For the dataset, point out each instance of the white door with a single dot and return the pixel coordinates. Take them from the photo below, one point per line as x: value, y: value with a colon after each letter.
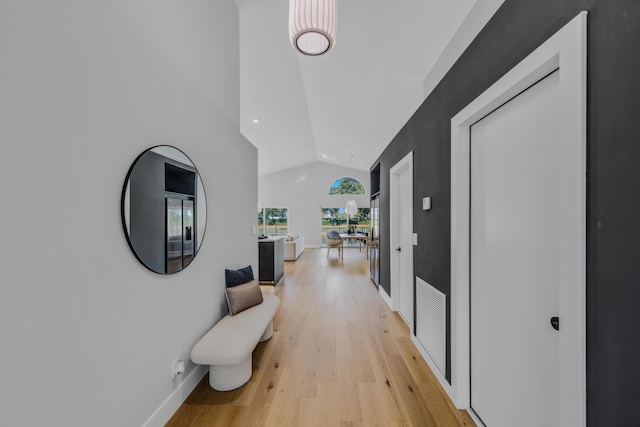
x: 514, y: 286
x: 401, y: 175
x: 405, y: 267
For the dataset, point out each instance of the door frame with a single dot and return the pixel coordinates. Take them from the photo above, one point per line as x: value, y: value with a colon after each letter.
x: 406, y: 164
x: 567, y: 51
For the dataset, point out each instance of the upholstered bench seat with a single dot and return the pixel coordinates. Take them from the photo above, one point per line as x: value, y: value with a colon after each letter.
x: 228, y: 346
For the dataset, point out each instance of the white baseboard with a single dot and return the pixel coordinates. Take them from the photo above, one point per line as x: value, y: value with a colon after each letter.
x: 475, y: 417
x: 434, y: 368
x: 171, y: 404
x: 385, y: 297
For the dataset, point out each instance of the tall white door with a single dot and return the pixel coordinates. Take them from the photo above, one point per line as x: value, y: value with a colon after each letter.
x: 515, y: 187
x: 403, y: 245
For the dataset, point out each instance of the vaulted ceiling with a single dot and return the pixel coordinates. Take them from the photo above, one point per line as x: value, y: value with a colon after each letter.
x: 344, y: 107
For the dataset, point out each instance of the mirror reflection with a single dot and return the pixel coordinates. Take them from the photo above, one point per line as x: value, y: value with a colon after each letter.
x: 164, y: 209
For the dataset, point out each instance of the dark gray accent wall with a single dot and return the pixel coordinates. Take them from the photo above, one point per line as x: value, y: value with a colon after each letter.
x: 147, y: 230
x: 613, y: 198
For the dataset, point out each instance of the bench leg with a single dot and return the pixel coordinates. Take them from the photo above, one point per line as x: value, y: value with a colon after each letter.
x: 229, y: 377
x: 267, y: 332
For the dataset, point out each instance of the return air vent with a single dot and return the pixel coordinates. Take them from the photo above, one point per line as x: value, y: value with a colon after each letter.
x: 431, y: 326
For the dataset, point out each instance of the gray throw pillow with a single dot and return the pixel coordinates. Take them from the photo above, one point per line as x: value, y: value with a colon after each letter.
x: 238, y: 277
x: 242, y: 297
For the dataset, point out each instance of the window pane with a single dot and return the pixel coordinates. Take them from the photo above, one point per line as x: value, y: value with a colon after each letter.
x: 336, y: 219
x: 347, y: 186
x: 276, y: 221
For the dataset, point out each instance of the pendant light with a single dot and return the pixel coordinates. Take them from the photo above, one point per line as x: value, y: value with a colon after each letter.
x: 351, y: 208
x: 312, y: 26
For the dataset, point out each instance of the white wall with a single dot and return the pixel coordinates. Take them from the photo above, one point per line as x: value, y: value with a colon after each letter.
x: 87, y: 333
x: 304, y: 189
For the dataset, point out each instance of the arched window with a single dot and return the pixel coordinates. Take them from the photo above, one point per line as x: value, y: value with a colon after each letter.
x: 346, y: 186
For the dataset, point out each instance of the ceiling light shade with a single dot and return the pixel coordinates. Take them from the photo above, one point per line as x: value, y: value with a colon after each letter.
x: 312, y: 25
x: 351, y: 208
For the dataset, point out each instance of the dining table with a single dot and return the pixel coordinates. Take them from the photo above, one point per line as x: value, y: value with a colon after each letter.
x: 355, y: 236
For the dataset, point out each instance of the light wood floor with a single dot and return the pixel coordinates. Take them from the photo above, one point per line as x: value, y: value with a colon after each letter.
x: 338, y: 357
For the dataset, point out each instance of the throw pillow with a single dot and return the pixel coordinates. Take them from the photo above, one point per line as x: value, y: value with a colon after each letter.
x: 242, y: 297
x: 238, y: 277
x: 333, y: 234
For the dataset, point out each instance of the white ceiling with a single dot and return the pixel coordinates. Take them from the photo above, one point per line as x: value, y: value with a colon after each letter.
x: 359, y: 95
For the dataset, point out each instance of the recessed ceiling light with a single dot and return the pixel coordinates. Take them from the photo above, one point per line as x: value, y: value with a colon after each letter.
x: 256, y: 120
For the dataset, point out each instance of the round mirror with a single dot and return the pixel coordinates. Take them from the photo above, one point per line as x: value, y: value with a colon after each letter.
x: 164, y: 209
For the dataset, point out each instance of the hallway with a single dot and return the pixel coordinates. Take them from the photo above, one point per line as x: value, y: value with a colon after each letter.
x: 338, y: 357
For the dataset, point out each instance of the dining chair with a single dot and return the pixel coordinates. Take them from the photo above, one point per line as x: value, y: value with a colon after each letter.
x: 334, y: 241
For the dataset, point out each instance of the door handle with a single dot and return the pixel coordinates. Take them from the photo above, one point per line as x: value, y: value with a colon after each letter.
x: 399, y: 249
x: 555, y: 323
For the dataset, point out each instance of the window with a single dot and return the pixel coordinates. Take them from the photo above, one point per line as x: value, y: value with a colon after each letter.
x: 346, y: 186
x: 273, y: 221
x: 336, y: 219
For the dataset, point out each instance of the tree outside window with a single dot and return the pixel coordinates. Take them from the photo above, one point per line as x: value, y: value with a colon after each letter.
x: 346, y: 186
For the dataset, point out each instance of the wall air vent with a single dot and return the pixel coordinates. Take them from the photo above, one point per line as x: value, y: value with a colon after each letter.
x: 431, y: 322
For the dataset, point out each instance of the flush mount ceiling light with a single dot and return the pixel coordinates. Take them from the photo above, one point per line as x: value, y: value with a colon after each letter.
x: 312, y: 25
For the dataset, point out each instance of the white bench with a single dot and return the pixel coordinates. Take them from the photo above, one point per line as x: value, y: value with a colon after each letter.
x: 228, y: 346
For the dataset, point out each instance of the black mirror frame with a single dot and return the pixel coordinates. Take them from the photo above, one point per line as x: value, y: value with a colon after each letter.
x: 123, y: 204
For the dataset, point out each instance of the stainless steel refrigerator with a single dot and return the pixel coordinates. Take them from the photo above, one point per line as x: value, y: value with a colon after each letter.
x: 181, y: 236
x: 374, y: 242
